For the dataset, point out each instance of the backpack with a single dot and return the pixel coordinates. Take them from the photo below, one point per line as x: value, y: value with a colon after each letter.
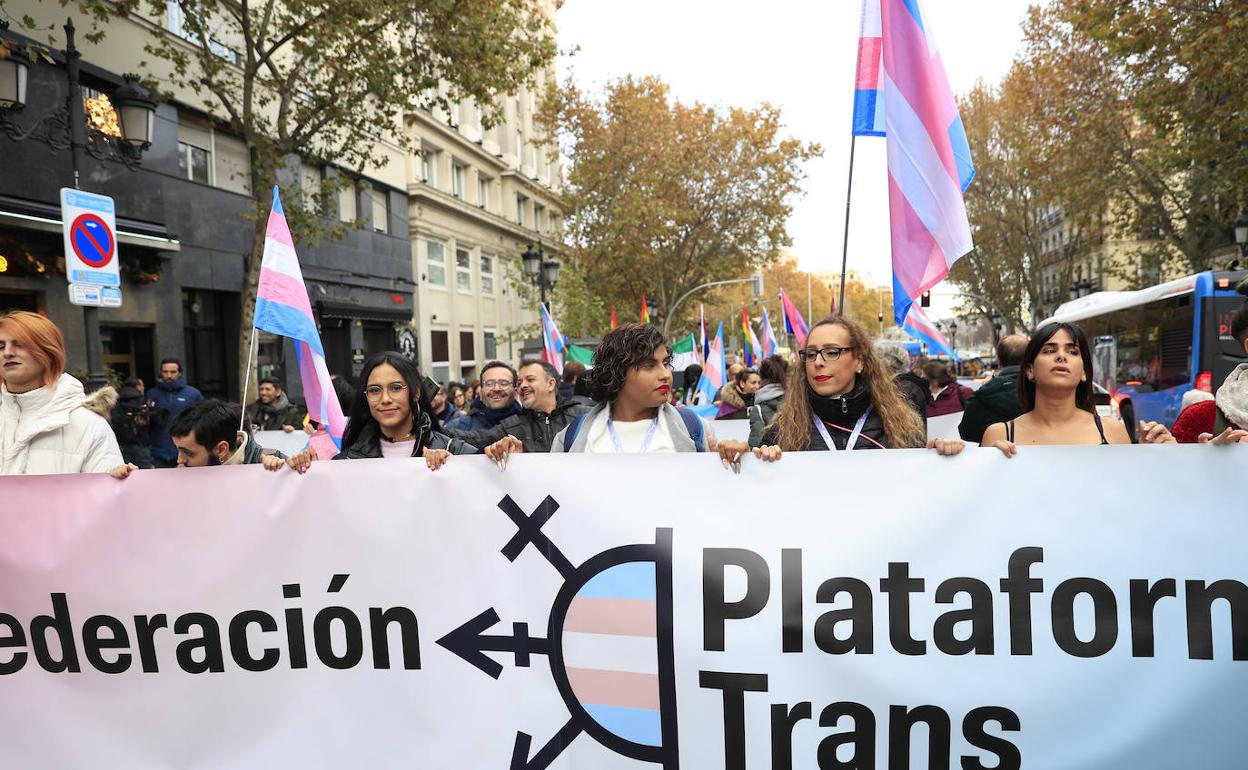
x: 693, y: 424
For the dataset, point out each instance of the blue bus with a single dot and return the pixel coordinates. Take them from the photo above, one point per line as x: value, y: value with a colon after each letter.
x: 1153, y: 345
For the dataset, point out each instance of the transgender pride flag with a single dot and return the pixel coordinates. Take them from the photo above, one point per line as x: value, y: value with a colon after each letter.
x: 929, y: 159
x: 919, y: 326
x: 553, y: 342
x: 282, y: 307
x: 769, y: 337
x: 714, y: 371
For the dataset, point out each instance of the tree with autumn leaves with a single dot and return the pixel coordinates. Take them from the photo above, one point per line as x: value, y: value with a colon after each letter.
x: 1127, y: 119
x: 664, y: 196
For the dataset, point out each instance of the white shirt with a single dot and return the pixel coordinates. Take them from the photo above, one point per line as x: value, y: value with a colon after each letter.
x: 632, y: 436
x: 391, y: 449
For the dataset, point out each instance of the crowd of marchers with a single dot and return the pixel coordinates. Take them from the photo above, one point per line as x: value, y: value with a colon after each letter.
x: 842, y: 393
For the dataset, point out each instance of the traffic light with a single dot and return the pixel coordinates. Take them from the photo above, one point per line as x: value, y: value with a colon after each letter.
x: 757, y: 284
x: 926, y: 299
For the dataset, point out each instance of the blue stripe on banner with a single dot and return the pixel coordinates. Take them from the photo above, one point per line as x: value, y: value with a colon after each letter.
x: 637, y: 725
x: 865, y: 110
x: 631, y: 580
x: 284, y: 320
x: 961, y: 153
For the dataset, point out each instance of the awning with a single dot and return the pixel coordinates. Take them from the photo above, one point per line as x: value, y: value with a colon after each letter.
x: 35, y: 215
x: 350, y: 310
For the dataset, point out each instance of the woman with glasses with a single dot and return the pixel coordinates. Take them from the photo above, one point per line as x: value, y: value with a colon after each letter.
x: 391, y: 417
x: 840, y: 396
x: 1055, y: 390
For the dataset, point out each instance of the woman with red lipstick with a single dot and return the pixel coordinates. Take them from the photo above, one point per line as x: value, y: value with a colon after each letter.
x: 850, y: 402
x: 1055, y: 390
x: 632, y: 383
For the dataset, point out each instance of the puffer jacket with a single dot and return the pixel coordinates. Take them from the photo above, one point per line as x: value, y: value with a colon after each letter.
x: 171, y: 398
x: 536, y: 430
x: 57, y: 429
x: 767, y: 402
x: 480, y: 418
x: 840, y: 414
x: 368, y: 444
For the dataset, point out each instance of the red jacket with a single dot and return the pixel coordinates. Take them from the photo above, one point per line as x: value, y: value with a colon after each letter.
x: 1195, y: 420
x: 952, y: 399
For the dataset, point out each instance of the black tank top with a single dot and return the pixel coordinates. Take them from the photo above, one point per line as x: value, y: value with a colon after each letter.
x: 1009, y: 430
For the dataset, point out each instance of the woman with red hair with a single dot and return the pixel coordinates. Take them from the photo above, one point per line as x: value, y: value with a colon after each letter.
x: 47, y: 422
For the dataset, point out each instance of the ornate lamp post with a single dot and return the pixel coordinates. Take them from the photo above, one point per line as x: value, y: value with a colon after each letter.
x: 541, y: 272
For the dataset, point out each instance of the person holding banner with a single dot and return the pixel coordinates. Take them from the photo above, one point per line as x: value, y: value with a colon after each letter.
x: 632, y: 383
x: 1055, y: 391
x: 47, y: 422
x: 850, y: 402
x: 206, y: 434
x: 773, y: 373
x: 391, y: 416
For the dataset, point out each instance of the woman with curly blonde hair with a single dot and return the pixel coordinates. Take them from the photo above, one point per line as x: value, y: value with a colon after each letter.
x: 841, y: 396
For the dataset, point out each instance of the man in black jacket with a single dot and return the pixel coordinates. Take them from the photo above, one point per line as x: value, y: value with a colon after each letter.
x: 997, y: 400
x: 543, y: 416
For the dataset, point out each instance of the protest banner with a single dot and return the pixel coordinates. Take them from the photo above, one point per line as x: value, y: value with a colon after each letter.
x: 1075, y: 607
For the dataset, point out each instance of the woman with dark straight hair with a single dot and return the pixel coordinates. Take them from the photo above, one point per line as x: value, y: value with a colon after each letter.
x: 1055, y: 390
x: 391, y: 416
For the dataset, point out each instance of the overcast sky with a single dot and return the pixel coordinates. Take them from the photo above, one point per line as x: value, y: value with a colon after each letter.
x: 800, y: 56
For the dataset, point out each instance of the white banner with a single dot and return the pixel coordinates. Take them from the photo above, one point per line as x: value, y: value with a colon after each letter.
x: 1069, y: 608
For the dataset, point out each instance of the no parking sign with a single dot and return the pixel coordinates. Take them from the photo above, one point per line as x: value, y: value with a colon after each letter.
x: 90, y: 235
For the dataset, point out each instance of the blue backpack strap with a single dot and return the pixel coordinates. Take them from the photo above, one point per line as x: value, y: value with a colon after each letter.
x: 569, y: 433
x: 694, y: 425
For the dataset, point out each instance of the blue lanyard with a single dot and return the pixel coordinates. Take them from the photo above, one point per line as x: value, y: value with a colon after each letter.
x: 615, y: 437
x: 853, y: 437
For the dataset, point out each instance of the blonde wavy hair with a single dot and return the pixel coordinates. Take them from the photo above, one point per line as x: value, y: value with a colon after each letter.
x: 902, y: 425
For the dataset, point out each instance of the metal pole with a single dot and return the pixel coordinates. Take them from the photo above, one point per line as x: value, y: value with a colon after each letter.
x: 96, y: 378
x: 840, y: 304
x: 810, y: 312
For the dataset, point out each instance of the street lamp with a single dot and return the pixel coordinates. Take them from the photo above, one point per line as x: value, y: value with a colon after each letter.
x: 541, y: 272
x: 66, y: 127
x: 998, y: 324
x: 1080, y: 288
x: 1241, y: 233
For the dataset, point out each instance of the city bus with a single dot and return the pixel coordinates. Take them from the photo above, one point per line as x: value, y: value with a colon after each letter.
x: 1153, y: 345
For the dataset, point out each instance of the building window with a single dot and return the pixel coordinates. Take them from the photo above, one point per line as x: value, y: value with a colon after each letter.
x: 487, y: 275
x: 519, y: 148
x: 463, y: 270
x: 483, y: 191
x: 490, y: 345
x: 378, y: 198
x: 347, y: 203
x: 539, y: 212
x: 467, y: 355
x: 429, y: 166
x: 521, y: 201
x: 440, y: 348
x: 435, y: 263
x: 224, y: 51
x: 173, y: 17
x: 193, y: 162
x: 457, y: 180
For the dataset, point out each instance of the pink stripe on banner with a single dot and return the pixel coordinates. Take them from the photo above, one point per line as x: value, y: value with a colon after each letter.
x: 918, y: 262
x: 614, y: 688
x: 868, y: 78
x: 617, y: 617
x: 914, y: 72
x: 283, y: 289
x: 278, y: 230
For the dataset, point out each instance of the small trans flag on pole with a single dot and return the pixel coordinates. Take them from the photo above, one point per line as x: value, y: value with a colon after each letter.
x: 553, y: 342
x: 869, y: 80
x: 713, y: 373
x: 769, y: 337
x: 919, y: 326
x: 282, y: 308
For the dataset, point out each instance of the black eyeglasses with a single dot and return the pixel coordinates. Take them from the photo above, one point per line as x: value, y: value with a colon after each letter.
x: 829, y: 354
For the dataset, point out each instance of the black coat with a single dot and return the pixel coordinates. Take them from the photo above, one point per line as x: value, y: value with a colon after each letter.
x: 368, y: 443
x: 840, y: 414
x: 536, y: 430
x: 996, y: 401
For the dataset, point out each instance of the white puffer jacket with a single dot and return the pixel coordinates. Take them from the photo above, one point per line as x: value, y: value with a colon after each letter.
x: 53, y: 430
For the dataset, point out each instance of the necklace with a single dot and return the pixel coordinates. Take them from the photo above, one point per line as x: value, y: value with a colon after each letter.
x: 397, y: 439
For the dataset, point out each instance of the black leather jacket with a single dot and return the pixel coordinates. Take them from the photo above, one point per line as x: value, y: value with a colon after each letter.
x: 368, y: 444
x: 536, y: 430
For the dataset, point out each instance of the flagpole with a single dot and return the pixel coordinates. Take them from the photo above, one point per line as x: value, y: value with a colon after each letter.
x: 840, y: 304
x: 251, y: 352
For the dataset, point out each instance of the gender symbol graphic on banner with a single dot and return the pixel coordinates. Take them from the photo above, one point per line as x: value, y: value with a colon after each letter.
x: 90, y: 248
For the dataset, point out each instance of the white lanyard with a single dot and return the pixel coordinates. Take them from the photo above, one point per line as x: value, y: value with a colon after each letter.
x: 645, y: 444
x: 853, y: 437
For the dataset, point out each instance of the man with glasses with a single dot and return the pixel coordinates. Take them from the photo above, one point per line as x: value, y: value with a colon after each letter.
x: 545, y: 413
x: 496, y: 402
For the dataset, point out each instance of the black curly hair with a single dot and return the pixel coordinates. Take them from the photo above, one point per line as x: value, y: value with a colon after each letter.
x: 622, y: 349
